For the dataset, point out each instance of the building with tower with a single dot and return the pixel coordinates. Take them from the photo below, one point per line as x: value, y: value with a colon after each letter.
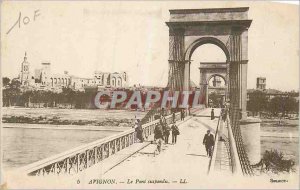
x: 269, y: 92
x: 25, y: 76
x: 261, y: 83
x: 44, y: 79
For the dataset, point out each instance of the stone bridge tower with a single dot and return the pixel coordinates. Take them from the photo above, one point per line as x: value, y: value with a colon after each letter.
x: 225, y: 27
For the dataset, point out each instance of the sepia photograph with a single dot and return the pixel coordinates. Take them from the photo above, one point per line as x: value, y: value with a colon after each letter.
x: 149, y: 95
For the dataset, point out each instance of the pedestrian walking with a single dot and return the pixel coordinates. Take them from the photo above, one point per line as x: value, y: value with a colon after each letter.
x: 173, y: 116
x: 209, y: 142
x: 167, y: 134
x: 158, y: 136
x: 182, y: 114
x: 163, y: 124
x: 212, y: 114
x: 175, y: 132
x: 224, y: 114
x: 139, y: 132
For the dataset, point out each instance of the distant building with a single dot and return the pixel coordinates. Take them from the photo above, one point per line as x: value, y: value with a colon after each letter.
x: 44, y: 79
x: 261, y: 83
x: 270, y: 93
x: 25, y: 77
x: 115, y: 79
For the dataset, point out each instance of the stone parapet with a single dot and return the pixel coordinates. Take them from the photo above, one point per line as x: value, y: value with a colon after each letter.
x: 209, y: 14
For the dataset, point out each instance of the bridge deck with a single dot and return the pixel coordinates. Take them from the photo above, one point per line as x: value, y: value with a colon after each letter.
x: 185, y: 160
x: 223, y: 161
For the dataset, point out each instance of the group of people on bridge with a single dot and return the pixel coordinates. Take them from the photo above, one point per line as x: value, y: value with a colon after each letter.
x: 163, y: 129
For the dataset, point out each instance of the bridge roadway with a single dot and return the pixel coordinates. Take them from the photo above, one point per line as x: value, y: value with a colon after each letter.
x: 186, y: 161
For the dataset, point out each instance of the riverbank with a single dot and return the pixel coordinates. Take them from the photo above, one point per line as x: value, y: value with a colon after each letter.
x: 64, y: 127
x: 52, y: 116
x: 285, y: 128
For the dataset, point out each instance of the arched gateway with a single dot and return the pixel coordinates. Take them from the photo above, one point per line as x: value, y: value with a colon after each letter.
x: 228, y: 29
x: 225, y: 27
x: 209, y: 71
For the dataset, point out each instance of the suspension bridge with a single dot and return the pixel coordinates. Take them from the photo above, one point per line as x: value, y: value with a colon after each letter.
x: 237, y: 138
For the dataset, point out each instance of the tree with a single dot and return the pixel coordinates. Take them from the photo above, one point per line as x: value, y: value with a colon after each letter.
x: 15, y: 84
x: 215, y: 99
x: 273, y: 160
x: 291, y: 105
x: 275, y: 105
x: 11, y: 95
x: 283, y: 105
x: 68, y: 96
x: 5, y: 81
x: 257, y: 102
x: 27, y: 97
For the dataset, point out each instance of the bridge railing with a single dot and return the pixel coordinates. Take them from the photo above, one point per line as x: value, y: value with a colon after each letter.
x: 82, y: 157
x: 235, y: 161
x: 196, y: 109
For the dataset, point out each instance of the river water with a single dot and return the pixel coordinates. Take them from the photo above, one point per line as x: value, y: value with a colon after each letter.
x: 283, y: 139
x: 22, y: 146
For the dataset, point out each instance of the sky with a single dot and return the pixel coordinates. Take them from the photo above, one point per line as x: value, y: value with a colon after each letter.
x: 81, y: 37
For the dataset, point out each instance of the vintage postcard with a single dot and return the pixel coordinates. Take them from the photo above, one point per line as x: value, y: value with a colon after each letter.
x: 149, y: 95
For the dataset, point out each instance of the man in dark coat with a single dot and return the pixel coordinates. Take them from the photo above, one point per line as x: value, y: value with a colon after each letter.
x: 173, y: 116
x: 163, y: 124
x: 209, y: 142
x: 224, y: 114
x: 139, y: 132
x: 182, y: 114
x: 158, y: 136
x: 167, y: 134
x: 212, y: 114
x: 175, y: 132
x: 158, y: 132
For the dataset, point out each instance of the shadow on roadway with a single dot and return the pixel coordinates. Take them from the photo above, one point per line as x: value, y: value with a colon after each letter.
x: 197, y: 155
